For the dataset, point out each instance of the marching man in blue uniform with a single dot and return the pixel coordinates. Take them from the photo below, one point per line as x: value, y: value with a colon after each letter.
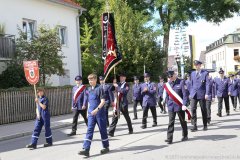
x: 137, y: 96
x: 42, y: 119
x: 79, y: 104
x: 109, y: 97
x: 222, y: 91
x: 96, y: 115
x: 233, y: 88
x: 199, y: 93
x: 176, y: 100
x: 160, y: 95
x: 210, y: 98
x: 149, y: 91
x: 122, y: 90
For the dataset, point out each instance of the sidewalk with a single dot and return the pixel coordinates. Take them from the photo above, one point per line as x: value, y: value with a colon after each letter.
x: 20, y: 129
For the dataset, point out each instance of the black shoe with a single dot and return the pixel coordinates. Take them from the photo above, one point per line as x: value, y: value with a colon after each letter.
x: 194, y: 129
x: 104, y: 150
x: 168, y: 141
x: 47, y: 144
x: 208, y: 121
x: 161, y: 111
x: 164, y: 112
x: 219, y: 114
x: 228, y: 113
x: 185, y: 138
x: 31, y: 146
x: 84, y: 152
x: 111, y: 134
x: 71, y: 134
x: 135, y: 118
x: 154, y: 125
x: 130, y: 132
x: 205, y: 128
x: 143, y: 126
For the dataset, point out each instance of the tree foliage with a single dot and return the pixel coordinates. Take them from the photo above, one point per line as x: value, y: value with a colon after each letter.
x: 44, y: 47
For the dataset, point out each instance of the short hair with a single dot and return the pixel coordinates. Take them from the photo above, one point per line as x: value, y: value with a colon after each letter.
x: 92, y: 76
x: 40, y: 89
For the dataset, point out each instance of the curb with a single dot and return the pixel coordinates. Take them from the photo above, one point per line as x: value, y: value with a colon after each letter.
x: 18, y: 135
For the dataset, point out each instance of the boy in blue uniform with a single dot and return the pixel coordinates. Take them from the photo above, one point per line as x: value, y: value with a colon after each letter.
x: 136, y: 96
x: 96, y: 115
x: 78, y: 106
x: 43, y: 118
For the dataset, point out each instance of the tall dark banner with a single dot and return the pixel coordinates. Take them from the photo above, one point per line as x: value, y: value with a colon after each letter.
x: 110, y: 51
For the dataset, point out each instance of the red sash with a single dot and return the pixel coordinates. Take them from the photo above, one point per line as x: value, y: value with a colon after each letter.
x: 78, y: 92
x: 176, y: 98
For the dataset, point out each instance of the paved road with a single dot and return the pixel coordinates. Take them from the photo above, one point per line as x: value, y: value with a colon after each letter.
x: 221, y: 141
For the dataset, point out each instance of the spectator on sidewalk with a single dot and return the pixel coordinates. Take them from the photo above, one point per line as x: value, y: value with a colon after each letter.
x: 42, y: 119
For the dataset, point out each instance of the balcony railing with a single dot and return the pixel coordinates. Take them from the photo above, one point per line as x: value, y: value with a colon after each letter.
x: 7, y: 46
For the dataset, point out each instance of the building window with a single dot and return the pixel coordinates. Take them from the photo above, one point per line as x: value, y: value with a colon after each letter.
x: 236, y: 38
x: 29, y: 27
x: 236, y: 52
x: 62, y: 31
x: 236, y: 68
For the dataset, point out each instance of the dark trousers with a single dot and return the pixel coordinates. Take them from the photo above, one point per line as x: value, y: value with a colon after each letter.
x: 202, y: 103
x: 239, y: 99
x: 106, y: 106
x: 226, y: 101
x: 234, y: 101
x: 145, y: 114
x: 75, y: 118
x: 162, y: 107
x: 208, y: 105
x: 135, y: 103
x: 125, y: 113
x: 172, y: 116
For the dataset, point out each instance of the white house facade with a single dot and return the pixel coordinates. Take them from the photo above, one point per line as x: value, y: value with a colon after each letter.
x: 221, y: 53
x: 30, y: 14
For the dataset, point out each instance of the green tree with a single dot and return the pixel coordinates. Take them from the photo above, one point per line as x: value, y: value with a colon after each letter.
x: 44, y: 47
x: 13, y: 76
x: 179, y: 12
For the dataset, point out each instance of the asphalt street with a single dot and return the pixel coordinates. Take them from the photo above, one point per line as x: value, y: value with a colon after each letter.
x: 221, y: 141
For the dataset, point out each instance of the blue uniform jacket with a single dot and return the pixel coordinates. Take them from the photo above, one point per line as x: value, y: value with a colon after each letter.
x: 136, y: 92
x: 107, y: 89
x: 149, y: 98
x: 221, y: 86
x: 94, y: 96
x: 233, y: 87
x: 179, y: 87
x: 199, y: 85
x: 44, y: 113
x: 160, y: 90
x: 211, y: 93
x: 80, y: 101
x: 124, y: 91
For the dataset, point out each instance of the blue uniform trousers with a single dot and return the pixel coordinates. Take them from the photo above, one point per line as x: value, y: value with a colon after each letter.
x: 37, y: 130
x: 100, y: 120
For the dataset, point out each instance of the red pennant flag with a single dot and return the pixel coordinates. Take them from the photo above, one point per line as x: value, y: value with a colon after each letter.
x: 110, y: 51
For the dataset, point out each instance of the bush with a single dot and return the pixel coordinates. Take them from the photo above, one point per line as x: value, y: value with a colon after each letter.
x: 13, y: 76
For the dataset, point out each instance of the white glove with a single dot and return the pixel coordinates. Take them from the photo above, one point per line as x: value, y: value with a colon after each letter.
x: 184, y: 108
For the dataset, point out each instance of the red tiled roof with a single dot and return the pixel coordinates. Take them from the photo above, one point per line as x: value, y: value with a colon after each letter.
x: 72, y: 2
x: 69, y: 3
